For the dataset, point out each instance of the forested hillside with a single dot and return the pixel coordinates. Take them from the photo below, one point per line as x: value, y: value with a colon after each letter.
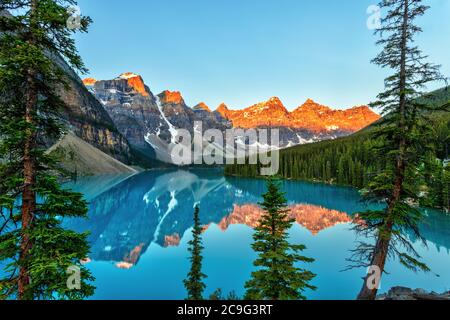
x: 353, y: 160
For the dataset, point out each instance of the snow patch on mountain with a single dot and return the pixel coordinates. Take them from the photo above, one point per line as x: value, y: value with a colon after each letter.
x: 128, y: 75
x: 172, y: 130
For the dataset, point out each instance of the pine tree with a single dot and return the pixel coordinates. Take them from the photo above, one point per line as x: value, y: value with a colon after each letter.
x: 277, y: 276
x: 340, y: 171
x: 36, y: 249
x: 194, y: 282
x: 328, y: 172
x: 446, y: 188
x: 403, y: 136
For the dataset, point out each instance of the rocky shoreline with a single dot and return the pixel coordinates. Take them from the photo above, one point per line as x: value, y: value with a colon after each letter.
x: 403, y: 293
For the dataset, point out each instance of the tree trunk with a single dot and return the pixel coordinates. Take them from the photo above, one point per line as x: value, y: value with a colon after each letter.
x: 28, y: 194
x: 384, y: 237
x: 381, y: 249
x: 379, y: 260
x: 29, y: 175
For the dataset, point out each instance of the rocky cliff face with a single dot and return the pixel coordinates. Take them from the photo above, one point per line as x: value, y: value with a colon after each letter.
x: 319, y: 118
x: 310, y: 122
x: 86, y: 118
x: 201, y: 107
x: 150, y: 122
x: 129, y: 103
x: 271, y: 113
x: 310, y: 116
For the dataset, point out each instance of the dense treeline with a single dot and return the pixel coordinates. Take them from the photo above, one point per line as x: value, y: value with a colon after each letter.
x: 353, y: 161
x: 338, y: 161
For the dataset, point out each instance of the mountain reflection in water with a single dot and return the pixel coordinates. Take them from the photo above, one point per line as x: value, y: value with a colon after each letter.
x: 313, y: 218
x: 140, y: 225
x: 127, y: 214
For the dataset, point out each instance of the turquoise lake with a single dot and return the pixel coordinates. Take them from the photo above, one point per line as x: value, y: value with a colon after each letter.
x: 140, y: 225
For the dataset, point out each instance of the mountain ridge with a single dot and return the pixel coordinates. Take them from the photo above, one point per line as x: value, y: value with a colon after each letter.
x: 310, y: 115
x: 151, y: 121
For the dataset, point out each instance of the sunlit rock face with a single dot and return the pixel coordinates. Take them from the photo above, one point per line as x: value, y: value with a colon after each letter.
x: 201, y: 107
x: 88, y: 82
x: 151, y: 121
x: 223, y: 110
x: 310, y: 116
x: 171, y: 97
x: 313, y: 218
x: 135, y: 81
x: 319, y: 118
x: 310, y: 122
x: 269, y: 113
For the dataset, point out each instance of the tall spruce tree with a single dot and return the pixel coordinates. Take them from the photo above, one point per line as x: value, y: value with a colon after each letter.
x: 35, y: 250
x: 194, y: 283
x: 277, y: 276
x: 404, y: 137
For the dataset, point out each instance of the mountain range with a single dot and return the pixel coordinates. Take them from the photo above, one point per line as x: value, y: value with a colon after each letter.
x: 310, y: 116
x: 149, y: 122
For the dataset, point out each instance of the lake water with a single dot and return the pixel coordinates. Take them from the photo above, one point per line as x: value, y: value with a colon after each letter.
x: 140, y: 226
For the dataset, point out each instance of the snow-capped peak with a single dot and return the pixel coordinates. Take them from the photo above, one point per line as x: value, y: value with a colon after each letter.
x: 128, y: 75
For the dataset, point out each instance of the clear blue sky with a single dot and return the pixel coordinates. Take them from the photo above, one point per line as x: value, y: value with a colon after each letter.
x: 244, y: 51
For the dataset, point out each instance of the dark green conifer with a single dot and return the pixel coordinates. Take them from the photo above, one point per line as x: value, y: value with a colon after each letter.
x: 194, y: 283
x: 404, y: 145
x: 278, y: 275
x: 35, y: 248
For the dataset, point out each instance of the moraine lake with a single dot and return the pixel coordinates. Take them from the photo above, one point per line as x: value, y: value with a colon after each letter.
x: 140, y: 225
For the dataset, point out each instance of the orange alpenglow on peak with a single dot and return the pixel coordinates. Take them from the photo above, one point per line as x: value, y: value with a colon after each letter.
x: 135, y: 81
x: 310, y: 101
x: 223, y: 110
x: 316, y: 117
x: 271, y: 112
x: 275, y: 100
x: 361, y: 108
x: 274, y: 103
x: 268, y: 109
x: 310, y: 104
x: 89, y: 81
x: 202, y: 106
x: 222, y: 107
x: 310, y: 116
x: 171, y: 97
